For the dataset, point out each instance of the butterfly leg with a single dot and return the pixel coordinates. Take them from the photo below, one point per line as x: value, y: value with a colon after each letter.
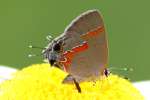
x: 77, y: 85
x: 71, y: 79
x: 106, y: 72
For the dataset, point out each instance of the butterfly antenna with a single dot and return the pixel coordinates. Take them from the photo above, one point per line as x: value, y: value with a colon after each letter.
x: 30, y: 46
x: 121, y: 69
x: 49, y: 38
x: 33, y: 55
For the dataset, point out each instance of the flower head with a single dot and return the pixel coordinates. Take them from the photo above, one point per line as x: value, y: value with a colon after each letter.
x: 42, y: 82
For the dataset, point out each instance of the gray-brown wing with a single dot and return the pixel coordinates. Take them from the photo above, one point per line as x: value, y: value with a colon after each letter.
x: 84, y: 23
x: 91, y: 63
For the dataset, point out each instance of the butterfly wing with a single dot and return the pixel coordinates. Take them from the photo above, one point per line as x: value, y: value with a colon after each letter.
x: 85, y: 48
x: 85, y: 22
x: 81, y: 25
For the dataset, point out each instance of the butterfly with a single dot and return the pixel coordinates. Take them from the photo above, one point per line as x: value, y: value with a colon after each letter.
x: 81, y: 50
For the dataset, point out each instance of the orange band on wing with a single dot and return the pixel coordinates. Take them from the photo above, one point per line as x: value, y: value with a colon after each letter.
x: 70, y: 54
x: 93, y: 33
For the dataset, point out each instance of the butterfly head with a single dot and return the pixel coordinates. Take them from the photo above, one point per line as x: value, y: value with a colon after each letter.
x: 53, y: 52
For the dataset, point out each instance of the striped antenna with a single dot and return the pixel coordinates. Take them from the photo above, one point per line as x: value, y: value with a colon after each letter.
x: 33, y: 55
x: 30, y: 46
x: 121, y: 69
x: 49, y: 38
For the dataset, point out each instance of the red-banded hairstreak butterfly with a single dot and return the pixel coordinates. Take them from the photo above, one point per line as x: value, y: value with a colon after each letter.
x: 81, y: 50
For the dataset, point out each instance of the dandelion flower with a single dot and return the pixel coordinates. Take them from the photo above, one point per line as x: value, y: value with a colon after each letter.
x: 42, y: 82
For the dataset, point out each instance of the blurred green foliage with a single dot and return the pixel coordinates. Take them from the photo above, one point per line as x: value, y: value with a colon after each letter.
x: 25, y: 22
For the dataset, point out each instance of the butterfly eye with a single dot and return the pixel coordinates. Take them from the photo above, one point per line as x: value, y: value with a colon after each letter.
x: 57, y: 47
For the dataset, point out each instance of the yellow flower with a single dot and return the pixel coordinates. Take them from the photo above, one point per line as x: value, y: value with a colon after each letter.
x: 42, y: 82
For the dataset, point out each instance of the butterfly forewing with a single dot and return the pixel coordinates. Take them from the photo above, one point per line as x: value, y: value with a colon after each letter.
x: 87, y: 45
x: 85, y: 23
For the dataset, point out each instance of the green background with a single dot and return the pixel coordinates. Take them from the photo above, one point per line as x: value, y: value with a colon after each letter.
x: 25, y: 22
